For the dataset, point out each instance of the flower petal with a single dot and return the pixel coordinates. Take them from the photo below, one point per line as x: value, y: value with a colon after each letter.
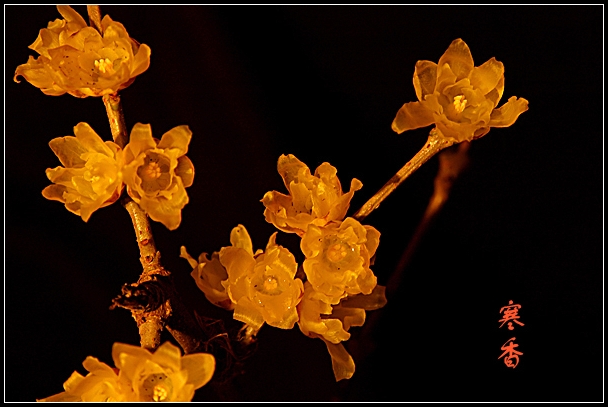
x: 178, y: 137
x: 141, y: 139
x: 412, y: 115
x: 69, y: 150
x: 458, y: 57
x: 72, y: 17
x: 509, y: 112
x: 239, y: 237
x: 245, y: 311
x: 200, y: 367
x: 341, y: 361
x: 369, y: 302
x: 288, y: 167
x: 487, y: 76
x: 425, y: 78
x: 91, y: 140
x: 168, y: 355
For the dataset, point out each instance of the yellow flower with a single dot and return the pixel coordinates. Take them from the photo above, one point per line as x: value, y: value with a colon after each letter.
x: 262, y: 286
x: 208, y: 275
x: 459, y: 98
x: 164, y: 375
x: 338, y: 258
x: 100, y: 384
x: 312, y: 199
x: 319, y: 319
x: 140, y: 376
x: 77, y: 59
x: 91, y: 177
x: 157, y: 172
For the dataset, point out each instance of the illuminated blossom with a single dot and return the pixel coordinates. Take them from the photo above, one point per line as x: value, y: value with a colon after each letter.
x: 77, y: 59
x: 91, y: 176
x: 157, y: 172
x: 312, y: 199
x: 262, y: 286
x: 338, y: 258
x: 164, y: 375
x: 459, y: 98
x: 319, y: 319
x: 140, y: 376
x: 208, y: 275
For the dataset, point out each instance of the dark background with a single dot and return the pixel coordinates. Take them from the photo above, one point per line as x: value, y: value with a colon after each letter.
x: 523, y: 223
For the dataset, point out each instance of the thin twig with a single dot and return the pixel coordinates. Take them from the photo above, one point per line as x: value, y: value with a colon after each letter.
x: 116, y: 118
x: 434, y: 144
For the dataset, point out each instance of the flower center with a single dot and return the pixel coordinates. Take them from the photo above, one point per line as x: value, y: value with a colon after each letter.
x: 459, y: 103
x: 104, y: 65
x: 154, y: 173
x: 152, y: 170
x: 157, y: 387
x: 270, y: 283
x: 160, y: 393
x: 337, y: 252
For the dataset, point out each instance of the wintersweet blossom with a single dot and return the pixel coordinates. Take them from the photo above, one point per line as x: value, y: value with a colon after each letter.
x: 91, y: 175
x: 459, y: 98
x: 140, y: 375
x: 157, y: 172
x: 81, y: 61
x: 316, y: 199
x: 338, y: 258
x: 262, y: 286
x: 164, y: 375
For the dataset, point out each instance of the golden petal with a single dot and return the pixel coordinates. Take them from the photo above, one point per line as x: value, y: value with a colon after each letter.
x: 487, y: 76
x: 54, y: 192
x: 342, y: 363
x: 425, y: 78
x: 141, y: 139
x: 412, y: 115
x: 200, y: 367
x: 141, y: 61
x: 72, y: 16
x: 177, y: 138
x: 90, y: 140
x: 239, y: 237
x: 458, y: 57
x: 375, y: 300
x: 168, y: 355
x: 185, y: 170
x: 245, y: 311
x: 69, y: 150
x: 288, y: 167
x: 508, y: 113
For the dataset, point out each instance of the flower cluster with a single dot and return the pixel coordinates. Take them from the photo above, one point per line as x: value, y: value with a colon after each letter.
x: 156, y: 172
x: 139, y: 375
x: 261, y: 287
x: 458, y: 97
x: 338, y: 254
x: 79, y: 60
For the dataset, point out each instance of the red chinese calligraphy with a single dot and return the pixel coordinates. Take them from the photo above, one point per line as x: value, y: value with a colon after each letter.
x: 510, y: 354
x: 510, y: 314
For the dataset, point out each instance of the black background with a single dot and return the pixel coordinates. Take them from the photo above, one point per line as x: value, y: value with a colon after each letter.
x: 523, y: 223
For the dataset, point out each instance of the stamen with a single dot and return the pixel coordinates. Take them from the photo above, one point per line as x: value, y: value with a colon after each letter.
x: 104, y: 65
x: 459, y: 103
x: 152, y: 170
x: 160, y: 393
